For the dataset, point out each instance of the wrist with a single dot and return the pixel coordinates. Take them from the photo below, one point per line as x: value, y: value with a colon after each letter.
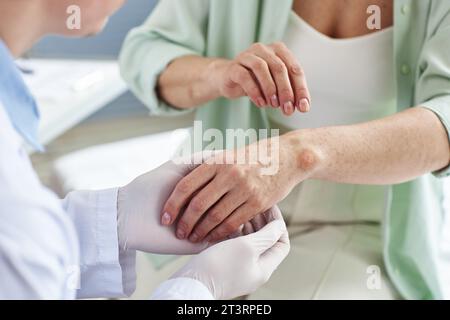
x: 307, y: 152
x: 213, y: 75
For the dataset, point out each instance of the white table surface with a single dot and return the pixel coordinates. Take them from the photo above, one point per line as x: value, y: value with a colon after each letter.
x: 69, y: 91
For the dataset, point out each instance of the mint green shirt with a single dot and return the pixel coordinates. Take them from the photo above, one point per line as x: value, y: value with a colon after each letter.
x: 416, y: 259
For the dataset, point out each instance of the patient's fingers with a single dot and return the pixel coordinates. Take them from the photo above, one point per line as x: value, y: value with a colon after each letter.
x: 184, y: 190
x: 297, y: 77
x: 232, y: 223
x: 247, y: 229
x: 273, y: 213
x: 217, y: 214
x: 258, y: 222
x: 199, y: 204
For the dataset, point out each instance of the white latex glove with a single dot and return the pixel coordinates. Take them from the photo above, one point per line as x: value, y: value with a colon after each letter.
x: 239, y: 266
x: 139, y: 207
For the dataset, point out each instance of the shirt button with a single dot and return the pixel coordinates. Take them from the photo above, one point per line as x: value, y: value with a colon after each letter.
x: 405, y: 69
x: 405, y: 9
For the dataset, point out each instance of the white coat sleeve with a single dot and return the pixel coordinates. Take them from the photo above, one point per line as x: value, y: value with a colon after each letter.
x: 105, y: 271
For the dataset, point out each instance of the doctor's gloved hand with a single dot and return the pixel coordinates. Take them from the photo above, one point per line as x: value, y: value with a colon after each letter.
x: 139, y: 205
x: 239, y: 266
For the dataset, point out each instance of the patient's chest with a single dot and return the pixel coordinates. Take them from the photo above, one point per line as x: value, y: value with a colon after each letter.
x: 343, y: 18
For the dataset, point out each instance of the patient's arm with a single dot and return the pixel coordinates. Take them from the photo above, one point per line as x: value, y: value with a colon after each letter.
x: 391, y: 150
x: 220, y: 197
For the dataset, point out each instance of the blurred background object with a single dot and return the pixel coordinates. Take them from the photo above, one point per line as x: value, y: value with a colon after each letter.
x: 105, y: 45
x: 125, y: 117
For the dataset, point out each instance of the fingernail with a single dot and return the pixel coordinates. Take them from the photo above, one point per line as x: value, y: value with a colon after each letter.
x: 261, y: 102
x: 193, y: 237
x: 180, y: 234
x: 288, y: 107
x: 165, y: 219
x: 275, y: 102
x: 304, y: 105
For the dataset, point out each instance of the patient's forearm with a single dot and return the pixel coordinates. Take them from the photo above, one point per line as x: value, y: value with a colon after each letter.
x: 391, y: 150
x: 186, y: 82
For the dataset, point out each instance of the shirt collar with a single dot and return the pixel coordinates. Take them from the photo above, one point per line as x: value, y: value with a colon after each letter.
x: 17, y: 99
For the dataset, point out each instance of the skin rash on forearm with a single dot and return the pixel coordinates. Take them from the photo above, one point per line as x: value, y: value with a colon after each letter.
x: 391, y: 150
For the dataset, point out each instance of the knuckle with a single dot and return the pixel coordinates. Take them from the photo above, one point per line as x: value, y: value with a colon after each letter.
x: 286, y: 93
x: 297, y: 70
x: 200, y: 231
x: 213, y: 235
x: 235, y: 68
x: 271, y: 89
x: 251, y: 189
x: 236, y: 173
x: 198, y: 204
x: 229, y: 227
x: 279, y: 45
x: 184, y: 186
x: 258, y: 46
x: 242, y: 56
x: 246, y: 187
x: 217, y: 235
x: 302, y: 92
x: 278, y: 67
x: 257, y: 201
x: 183, y: 224
x: 215, y: 217
x: 258, y: 65
x: 253, y: 92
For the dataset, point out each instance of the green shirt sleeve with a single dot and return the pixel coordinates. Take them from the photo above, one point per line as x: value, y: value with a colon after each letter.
x: 433, y: 85
x: 149, y: 48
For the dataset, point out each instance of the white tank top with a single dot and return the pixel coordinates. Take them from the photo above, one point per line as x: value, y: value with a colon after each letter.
x: 350, y: 81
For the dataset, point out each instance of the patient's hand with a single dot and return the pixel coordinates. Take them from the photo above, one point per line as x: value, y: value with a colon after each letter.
x: 269, y: 75
x: 139, y: 207
x: 215, y: 199
x: 258, y: 222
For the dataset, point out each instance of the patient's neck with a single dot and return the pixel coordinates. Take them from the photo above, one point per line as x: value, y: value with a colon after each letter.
x: 22, y: 23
